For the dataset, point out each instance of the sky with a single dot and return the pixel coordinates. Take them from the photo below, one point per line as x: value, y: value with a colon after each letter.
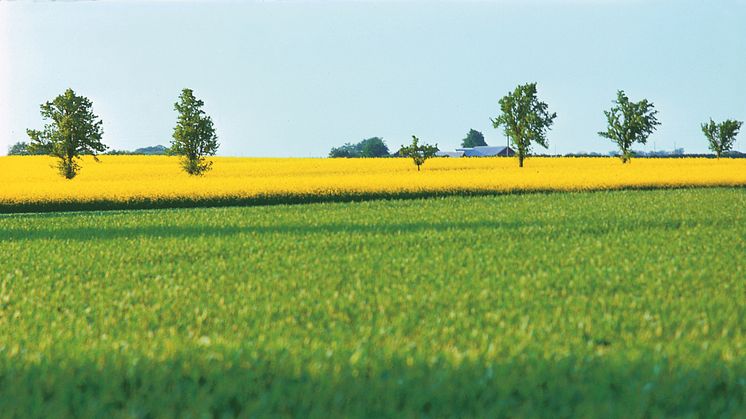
x: 295, y: 78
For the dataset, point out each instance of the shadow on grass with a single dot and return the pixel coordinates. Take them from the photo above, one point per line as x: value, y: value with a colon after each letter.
x: 188, y: 202
x: 236, y: 384
x: 548, y: 229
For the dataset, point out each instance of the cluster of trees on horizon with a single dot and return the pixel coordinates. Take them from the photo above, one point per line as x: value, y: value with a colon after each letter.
x: 74, y: 130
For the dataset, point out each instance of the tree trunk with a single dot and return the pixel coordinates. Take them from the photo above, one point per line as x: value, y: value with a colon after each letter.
x: 625, y: 156
x: 520, y: 160
x: 68, y: 168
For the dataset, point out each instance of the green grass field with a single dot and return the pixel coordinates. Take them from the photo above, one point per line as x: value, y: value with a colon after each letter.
x: 624, y: 304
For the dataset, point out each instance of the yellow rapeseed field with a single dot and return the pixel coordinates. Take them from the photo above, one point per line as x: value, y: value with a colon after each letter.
x: 33, y: 181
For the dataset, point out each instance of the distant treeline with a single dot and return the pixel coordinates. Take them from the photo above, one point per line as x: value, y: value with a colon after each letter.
x: 22, y: 149
x: 376, y: 147
x: 652, y: 154
x: 157, y: 150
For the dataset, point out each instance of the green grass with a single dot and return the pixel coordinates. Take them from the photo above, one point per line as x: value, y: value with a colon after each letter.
x: 608, y: 304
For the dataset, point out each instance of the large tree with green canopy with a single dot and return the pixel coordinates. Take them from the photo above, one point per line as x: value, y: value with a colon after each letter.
x: 629, y: 123
x: 721, y: 136
x: 525, y: 120
x: 194, y: 135
x: 73, y: 130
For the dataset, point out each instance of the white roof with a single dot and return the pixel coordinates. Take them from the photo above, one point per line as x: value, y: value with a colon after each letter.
x: 482, y: 150
x: 449, y: 153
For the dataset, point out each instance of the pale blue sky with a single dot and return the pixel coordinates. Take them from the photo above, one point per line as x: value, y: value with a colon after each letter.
x: 291, y: 78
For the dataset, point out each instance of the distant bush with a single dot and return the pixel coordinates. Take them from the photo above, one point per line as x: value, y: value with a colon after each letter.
x: 371, y: 147
x: 347, y: 150
x: 21, y: 148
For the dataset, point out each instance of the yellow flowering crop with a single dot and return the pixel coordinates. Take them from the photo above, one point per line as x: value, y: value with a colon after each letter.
x: 32, y: 181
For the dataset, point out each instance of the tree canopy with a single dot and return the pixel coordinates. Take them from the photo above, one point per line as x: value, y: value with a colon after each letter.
x: 347, y: 150
x: 418, y: 152
x: 194, y: 135
x: 629, y: 123
x: 722, y: 136
x: 370, y: 147
x: 525, y: 120
x: 473, y: 138
x: 72, y: 130
x: 373, y: 147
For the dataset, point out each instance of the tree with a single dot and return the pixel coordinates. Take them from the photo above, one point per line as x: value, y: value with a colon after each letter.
x: 418, y: 152
x: 73, y: 130
x: 373, y: 147
x: 721, y: 136
x: 629, y: 123
x: 525, y: 119
x: 21, y: 148
x: 473, y: 139
x: 194, y: 135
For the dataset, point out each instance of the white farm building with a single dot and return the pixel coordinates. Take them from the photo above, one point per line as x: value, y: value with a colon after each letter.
x: 479, y: 151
